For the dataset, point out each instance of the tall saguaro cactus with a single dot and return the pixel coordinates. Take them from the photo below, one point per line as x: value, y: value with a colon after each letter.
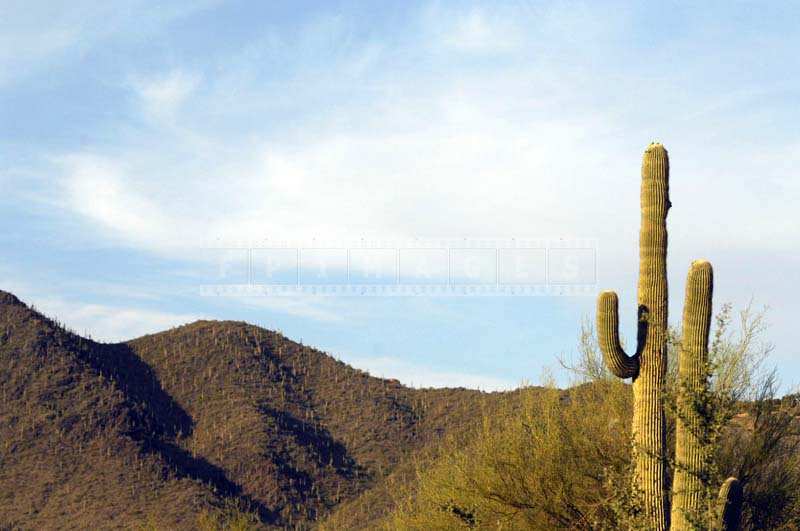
x: 647, y: 367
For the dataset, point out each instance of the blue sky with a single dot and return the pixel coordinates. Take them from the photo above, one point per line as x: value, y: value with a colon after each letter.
x: 133, y: 133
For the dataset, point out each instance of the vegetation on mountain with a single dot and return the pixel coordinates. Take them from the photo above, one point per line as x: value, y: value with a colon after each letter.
x: 212, y: 420
x: 563, y: 460
x: 220, y: 425
x: 83, y: 444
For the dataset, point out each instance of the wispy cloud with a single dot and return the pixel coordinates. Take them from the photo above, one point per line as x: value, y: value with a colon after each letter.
x: 101, y: 190
x: 38, y: 33
x: 111, y: 323
x: 162, y: 96
x: 101, y: 322
x: 476, y: 30
x: 318, y: 309
x: 513, y: 147
x: 368, y: 144
x: 513, y: 119
x: 383, y: 177
x: 422, y: 376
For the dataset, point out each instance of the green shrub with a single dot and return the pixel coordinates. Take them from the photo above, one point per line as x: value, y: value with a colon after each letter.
x: 562, y: 460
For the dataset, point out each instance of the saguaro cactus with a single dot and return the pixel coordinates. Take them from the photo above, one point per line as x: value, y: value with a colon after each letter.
x: 729, y: 505
x: 691, y: 448
x: 691, y: 457
x: 647, y: 367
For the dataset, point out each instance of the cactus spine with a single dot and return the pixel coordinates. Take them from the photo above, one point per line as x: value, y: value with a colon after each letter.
x: 647, y: 367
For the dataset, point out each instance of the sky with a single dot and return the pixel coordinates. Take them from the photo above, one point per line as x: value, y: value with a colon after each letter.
x: 132, y: 134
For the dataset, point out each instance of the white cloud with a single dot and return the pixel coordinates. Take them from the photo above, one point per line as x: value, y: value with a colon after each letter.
x: 476, y: 31
x: 37, y: 33
x: 99, y: 321
x: 448, y: 177
x: 508, y: 151
x: 422, y: 376
x: 111, y: 323
x: 162, y: 96
x: 322, y: 135
x: 100, y: 189
x: 317, y: 309
x: 512, y: 148
x: 35, y: 47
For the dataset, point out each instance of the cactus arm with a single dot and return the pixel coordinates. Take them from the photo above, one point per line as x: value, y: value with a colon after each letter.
x: 690, y: 452
x: 618, y: 362
x: 730, y: 505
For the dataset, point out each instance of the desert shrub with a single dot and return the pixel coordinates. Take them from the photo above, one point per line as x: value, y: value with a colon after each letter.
x: 749, y: 433
x: 762, y: 447
x: 563, y: 459
x: 551, y: 464
x: 231, y: 517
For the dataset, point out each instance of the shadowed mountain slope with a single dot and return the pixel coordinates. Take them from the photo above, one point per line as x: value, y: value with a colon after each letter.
x: 85, y: 434
x: 298, y: 430
x: 166, y: 427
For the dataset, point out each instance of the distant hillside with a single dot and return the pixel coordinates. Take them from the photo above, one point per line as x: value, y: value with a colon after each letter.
x: 86, y: 434
x: 173, y: 425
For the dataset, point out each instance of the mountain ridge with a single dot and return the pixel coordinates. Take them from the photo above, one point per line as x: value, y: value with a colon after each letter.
x: 217, y: 412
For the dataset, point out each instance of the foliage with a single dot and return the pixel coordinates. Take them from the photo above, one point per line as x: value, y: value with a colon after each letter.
x: 563, y: 460
x: 232, y: 517
x: 547, y: 466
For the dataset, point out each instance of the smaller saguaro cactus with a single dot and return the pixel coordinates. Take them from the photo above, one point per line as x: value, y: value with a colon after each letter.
x: 729, y: 505
x: 692, y: 448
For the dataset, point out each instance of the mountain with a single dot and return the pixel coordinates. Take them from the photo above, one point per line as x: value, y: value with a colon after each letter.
x: 175, y: 426
x: 86, y: 433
